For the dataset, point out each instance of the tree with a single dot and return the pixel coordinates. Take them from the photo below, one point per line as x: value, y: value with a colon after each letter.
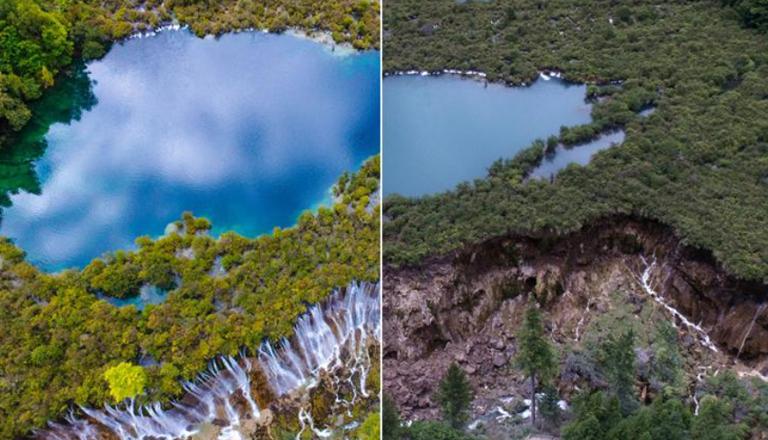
x: 535, y: 357
x: 666, y: 365
x: 594, y: 416
x: 390, y: 419
x: 434, y: 431
x: 371, y: 427
x: 754, y: 13
x: 455, y: 394
x: 125, y: 380
x: 671, y: 420
x: 662, y: 420
x: 550, y: 407
x: 618, y: 361
x: 713, y: 421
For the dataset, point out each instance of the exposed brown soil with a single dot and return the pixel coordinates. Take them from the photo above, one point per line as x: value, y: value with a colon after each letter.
x: 467, y: 306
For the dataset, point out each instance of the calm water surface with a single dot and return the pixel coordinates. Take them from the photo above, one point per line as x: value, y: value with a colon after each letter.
x: 580, y: 154
x: 248, y: 130
x: 147, y: 295
x: 440, y: 131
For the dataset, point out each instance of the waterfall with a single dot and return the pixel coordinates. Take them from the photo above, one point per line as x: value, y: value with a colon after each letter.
x: 645, y: 282
x: 329, y: 336
x: 320, y: 337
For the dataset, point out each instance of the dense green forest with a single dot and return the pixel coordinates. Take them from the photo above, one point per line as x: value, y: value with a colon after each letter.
x: 698, y: 163
x: 59, y: 337
x: 41, y: 38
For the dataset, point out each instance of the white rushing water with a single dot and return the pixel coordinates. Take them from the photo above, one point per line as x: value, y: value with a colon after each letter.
x: 331, y: 337
x: 696, y: 329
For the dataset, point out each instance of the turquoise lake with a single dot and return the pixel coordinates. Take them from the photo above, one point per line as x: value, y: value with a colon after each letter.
x: 248, y: 130
x: 443, y: 130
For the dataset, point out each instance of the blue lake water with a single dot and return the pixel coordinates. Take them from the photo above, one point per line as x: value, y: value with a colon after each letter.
x: 147, y: 295
x: 440, y: 131
x: 580, y: 154
x: 249, y: 130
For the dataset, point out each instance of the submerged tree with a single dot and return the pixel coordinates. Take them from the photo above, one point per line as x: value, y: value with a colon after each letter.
x: 455, y: 394
x: 535, y: 357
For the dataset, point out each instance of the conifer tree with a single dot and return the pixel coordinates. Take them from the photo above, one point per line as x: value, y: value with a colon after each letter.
x: 667, y: 363
x: 594, y: 416
x: 713, y: 421
x: 671, y: 420
x: 455, y: 394
x: 535, y: 356
x: 549, y: 406
x: 390, y: 419
x: 662, y: 420
x: 618, y: 359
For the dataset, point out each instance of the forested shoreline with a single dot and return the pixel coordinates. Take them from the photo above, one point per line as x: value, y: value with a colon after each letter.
x: 699, y: 163
x: 225, y: 294
x: 41, y: 38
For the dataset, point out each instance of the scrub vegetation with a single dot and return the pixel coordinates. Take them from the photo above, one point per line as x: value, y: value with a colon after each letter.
x: 699, y: 163
x: 41, y: 38
x: 62, y: 344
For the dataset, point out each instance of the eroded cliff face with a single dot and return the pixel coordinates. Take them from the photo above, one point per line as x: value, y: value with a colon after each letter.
x: 467, y: 306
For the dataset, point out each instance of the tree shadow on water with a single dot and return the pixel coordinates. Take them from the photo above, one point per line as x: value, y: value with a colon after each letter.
x: 63, y: 103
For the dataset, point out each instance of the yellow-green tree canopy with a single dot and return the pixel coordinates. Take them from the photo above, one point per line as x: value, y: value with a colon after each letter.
x: 125, y: 380
x: 371, y: 427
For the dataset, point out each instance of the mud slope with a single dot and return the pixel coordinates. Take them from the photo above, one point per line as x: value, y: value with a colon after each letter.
x: 466, y: 306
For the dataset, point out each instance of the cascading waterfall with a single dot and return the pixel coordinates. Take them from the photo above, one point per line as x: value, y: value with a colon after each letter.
x: 331, y: 337
x: 320, y: 337
x: 645, y: 282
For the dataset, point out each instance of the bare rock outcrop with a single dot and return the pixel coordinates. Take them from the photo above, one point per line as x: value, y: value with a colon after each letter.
x: 466, y: 307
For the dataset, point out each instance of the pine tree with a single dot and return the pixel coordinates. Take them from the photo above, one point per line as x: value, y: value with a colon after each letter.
x: 535, y: 356
x: 714, y: 421
x: 671, y: 420
x: 667, y: 363
x: 455, y: 394
x: 594, y: 416
x: 662, y: 420
x: 618, y: 356
x: 390, y: 419
x: 549, y: 406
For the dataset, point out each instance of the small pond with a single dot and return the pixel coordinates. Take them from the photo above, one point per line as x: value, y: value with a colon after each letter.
x: 580, y: 154
x: 147, y: 295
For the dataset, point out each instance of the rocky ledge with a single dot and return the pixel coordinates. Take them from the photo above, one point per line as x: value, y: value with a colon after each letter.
x: 467, y: 306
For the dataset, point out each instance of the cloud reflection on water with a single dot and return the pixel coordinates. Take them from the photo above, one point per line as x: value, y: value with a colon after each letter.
x: 248, y: 130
